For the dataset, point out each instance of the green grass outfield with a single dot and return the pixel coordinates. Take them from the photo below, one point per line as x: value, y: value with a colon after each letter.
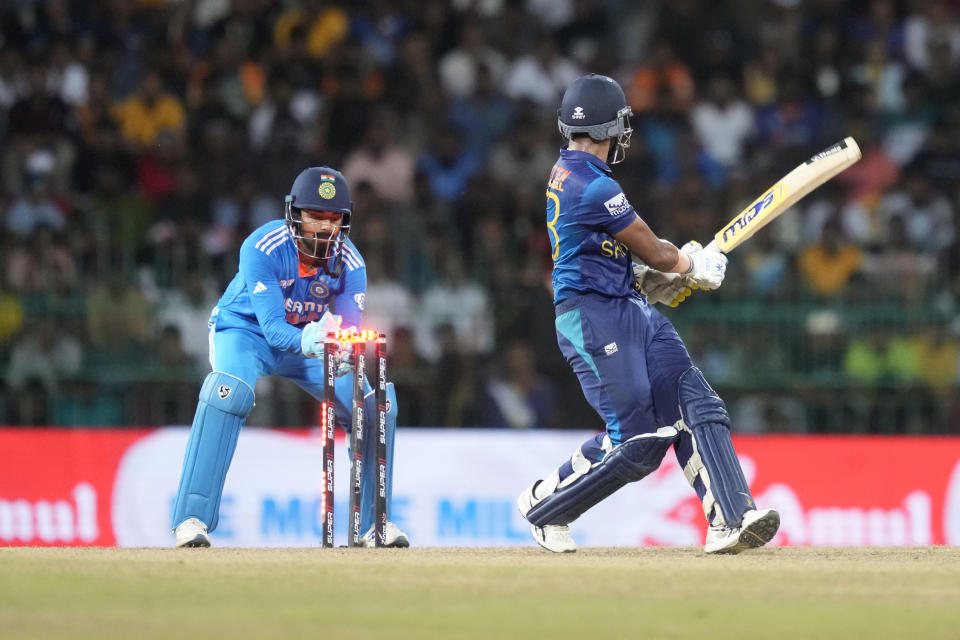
x: 479, y: 593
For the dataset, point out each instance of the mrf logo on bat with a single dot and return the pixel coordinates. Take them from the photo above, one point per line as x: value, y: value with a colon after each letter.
x: 776, y: 194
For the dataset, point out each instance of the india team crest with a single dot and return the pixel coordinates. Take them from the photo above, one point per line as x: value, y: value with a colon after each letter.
x: 319, y: 290
x: 327, y: 188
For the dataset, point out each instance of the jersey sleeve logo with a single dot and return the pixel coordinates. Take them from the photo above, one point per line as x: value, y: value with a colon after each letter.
x: 260, y: 287
x: 617, y: 204
x: 358, y: 298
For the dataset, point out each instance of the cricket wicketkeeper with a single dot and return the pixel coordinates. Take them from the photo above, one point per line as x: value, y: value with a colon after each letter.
x: 272, y: 320
x: 634, y: 369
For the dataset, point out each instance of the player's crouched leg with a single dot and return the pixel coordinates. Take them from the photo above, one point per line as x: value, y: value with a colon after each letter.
x: 710, y: 463
x: 393, y: 535
x: 225, y: 402
x: 551, y: 505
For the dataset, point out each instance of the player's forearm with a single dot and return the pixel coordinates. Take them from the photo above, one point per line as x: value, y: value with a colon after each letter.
x: 682, y: 264
x: 654, y: 252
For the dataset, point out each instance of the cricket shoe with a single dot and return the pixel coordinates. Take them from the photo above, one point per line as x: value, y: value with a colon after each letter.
x: 552, y: 537
x: 757, y: 529
x: 395, y: 537
x: 192, y: 533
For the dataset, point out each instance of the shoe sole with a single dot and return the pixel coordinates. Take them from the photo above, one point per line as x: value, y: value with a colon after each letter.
x: 197, y: 542
x: 756, y: 534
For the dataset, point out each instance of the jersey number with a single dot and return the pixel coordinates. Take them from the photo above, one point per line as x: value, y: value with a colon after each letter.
x: 552, y: 225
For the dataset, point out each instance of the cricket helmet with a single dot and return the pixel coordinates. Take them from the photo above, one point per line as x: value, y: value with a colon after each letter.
x: 596, y: 105
x: 319, y: 189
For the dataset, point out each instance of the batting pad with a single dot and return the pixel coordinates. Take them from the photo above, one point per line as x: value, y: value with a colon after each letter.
x: 371, y: 465
x: 630, y: 461
x: 225, y: 402
x: 712, y: 461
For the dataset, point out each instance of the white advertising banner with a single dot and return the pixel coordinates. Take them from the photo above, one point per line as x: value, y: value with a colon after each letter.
x: 451, y: 488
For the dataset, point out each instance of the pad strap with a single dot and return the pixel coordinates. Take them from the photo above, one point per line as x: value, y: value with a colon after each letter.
x: 630, y: 461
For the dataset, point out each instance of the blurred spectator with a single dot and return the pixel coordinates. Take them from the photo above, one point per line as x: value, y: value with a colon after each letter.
x: 931, y: 20
x: 793, y: 119
x: 320, y: 25
x: 188, y: 311
x: 906, y: 129
x: 828, y: 266
x: 39, y: 124
x: 448, y: 164
x: 388, y: 167
x: 44, y: 353
x: 541, y: 77
x: 411, y: 378
x: 723, y: 122
x: 459, y: 68
x: 896, y: 269
x: 527, y: 152
x: 518, y: 397
x: 662, y: 81
x: 928, y: 215
x: 34, y: 209
x: 149, y: 112
x: 460, y: 303
x: 485, y: 116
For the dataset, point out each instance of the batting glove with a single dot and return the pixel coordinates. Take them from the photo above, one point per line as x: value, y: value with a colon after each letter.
x: 707, y: 266
x: 661, y: 288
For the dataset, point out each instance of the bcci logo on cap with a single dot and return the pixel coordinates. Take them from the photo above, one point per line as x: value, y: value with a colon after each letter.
x: 327, y: 188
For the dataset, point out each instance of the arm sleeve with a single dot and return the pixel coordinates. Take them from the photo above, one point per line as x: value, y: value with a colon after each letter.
x: 257, y: 268
x: 350, y: 301
x: 606, y: 206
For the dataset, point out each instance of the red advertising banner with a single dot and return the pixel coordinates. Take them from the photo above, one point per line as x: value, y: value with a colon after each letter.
x: 56, y: 485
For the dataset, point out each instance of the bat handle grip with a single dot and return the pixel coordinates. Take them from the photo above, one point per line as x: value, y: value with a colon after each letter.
x: 713, y: 245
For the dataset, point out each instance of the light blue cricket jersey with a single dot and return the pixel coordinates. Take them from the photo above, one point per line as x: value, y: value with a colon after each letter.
x: 585, y: 207
x: 273, y: 295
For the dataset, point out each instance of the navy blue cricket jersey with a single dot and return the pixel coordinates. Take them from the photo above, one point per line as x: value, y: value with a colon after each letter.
x: 585, y: 207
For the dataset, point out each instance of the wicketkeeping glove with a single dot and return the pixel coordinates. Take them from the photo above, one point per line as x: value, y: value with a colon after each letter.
x: 314, y: 333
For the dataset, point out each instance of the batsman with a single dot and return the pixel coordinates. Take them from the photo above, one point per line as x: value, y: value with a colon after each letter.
x: 632, y: 365
x: 272, y: 320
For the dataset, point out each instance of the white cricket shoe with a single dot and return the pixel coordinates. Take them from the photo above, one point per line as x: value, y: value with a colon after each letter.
x: 552, y: 537
x: 192, y: 533
x: 757, y: 529
x: 395, y: 537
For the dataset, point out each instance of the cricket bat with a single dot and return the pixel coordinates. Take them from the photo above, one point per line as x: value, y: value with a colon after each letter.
x: 785, y: 193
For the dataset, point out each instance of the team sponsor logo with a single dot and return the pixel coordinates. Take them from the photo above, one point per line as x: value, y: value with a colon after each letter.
x: 578, y: 113
x: 224, y: 391
x: 286, y: 283
x: 610, y: 349
x: 260, y: 287
x: 359, y: 299
x: 617, y: 204
x: 319, y: 289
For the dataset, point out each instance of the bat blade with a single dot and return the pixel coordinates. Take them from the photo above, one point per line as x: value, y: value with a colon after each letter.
x: 786, y: 192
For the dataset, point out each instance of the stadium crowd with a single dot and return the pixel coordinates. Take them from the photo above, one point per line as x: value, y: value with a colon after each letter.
x: 142, y: 140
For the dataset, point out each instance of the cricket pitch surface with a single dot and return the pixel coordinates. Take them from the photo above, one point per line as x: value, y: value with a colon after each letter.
x: 489, y: 593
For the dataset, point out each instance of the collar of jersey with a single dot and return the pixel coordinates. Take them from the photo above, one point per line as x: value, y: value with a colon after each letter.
x: 589, y: 158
